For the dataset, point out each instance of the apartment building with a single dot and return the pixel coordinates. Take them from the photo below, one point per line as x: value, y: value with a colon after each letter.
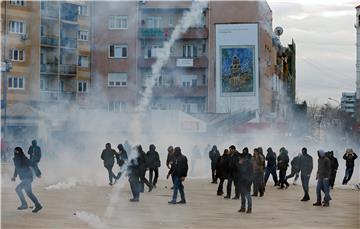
x: 348, y: 103
x: 47, y: 44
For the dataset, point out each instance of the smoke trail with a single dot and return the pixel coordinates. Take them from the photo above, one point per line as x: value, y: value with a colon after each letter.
x: 91, y: 219
x: 62, y: 185
x: 189, y: 19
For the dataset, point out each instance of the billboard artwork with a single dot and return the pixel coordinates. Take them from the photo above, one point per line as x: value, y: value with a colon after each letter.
x: 237, y: 69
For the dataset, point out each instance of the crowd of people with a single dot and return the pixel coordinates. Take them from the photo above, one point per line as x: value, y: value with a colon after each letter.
x: 244, y: 171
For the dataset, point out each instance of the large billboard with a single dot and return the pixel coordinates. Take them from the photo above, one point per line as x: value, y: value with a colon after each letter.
x: 237, y: 67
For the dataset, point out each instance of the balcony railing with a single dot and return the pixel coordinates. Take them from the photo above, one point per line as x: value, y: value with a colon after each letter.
x: 197, y: 62
x: 165, y: 33
x: 58, y: 95
x: 49, y: 68
x: 50, y: 13
x: 68, y: 69
x: 69, y: 42
x: 49, y: 40
x: 178, y: 91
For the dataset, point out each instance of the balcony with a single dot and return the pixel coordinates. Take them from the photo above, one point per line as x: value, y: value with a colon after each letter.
x: 69, y: 12
x: 49, y: 40
x: 58, y: 95
x: 198, y: 62
x: 50, y: 12
x: 68, y: 69
x: 49, y: 68
x: 69, y: 42
x: 177, y: 91
x: 165, y: 33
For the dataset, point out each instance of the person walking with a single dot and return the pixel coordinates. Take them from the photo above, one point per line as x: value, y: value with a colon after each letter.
x: 306, y: 167
x: 142, y: 168
x: 108, y: 155
x: 271, y: 167
x: 323, y: 176
x: 179, y: 170
x: 258, y: 166
x: 153, y: 164
x: 350, y: 158
x: 214, y: 156
x: 233, y: 173
x: 334, y: 164
x: 283, y: 163
x: 170, y: 160
x: 134, y: 177
x: 295, y: 169
x: 22, y: 168
x: 222, y: 172
x: 246, y: 176
x: 35, y: 156
x: 121, y: 159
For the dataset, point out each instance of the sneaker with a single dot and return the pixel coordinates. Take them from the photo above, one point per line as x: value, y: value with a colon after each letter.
x: 37, y: 208
x: 181, y: 202
x: 151, y: 188
x: 110, y: 184
x: 305, y: 198
x: 326, y: 204
x: 22, y: 207
x: 235, y: 198
x: 226, y: 197
x: 241, y: 210
x: 287, y: 185
x: 172, y: 202
x: 220, y: 193
x: 248, y: 211
x: 134, y: 200
x: 254, y: 195
x: 317, y: 204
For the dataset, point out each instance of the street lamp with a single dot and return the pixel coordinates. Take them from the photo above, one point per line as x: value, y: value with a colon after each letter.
x: 5, y: 68
x: 335, y: 101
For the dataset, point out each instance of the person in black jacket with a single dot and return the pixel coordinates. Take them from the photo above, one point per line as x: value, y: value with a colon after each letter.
x: 108, y: 156
x: 323, y: 176
x: 35, y: 156
x: 179, y: 170
x: 142, y: 167
x: 246, y: 177
x: 271, y: 166
x: 214, y: 156
x: 233, y: 173
x: 170, y: 160
x: 153, y: 162
x: 334, y: 166
x: 121, y: 159
x: 295, y: 169
x: 222, y: 172
x: 134, y: 177
x: 283, y: 163
x: 306, y: 167
x: 22, y: 168
x: 350, y: 157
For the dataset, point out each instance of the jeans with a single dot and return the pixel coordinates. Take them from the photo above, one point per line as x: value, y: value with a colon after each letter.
x: 26, y: 185
x: 178, y: 186
x: 245, y: 196
x: 348, y: 175
x: 258, y: 184
x: 135, y: 186
x: 36, y: 169
x: 305, y: 178
x: 323, y: 185
x: 282, y: 175
x: 271, y: 170
x: 232, y: 179
x: 151, y: 171
x: 111, y: 174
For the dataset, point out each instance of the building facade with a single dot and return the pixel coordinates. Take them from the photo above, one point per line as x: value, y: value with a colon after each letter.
x: 348, y: 103
x: 47, y: 44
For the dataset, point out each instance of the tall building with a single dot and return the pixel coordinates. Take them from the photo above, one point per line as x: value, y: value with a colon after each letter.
x: 348, y: 103
x: 47, y: 43
x: 357, y: 26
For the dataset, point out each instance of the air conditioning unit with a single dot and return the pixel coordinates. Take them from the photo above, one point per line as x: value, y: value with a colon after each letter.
x: 24, y: 37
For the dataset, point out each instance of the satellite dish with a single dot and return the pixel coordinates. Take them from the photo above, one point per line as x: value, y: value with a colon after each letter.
x: 278, y: 31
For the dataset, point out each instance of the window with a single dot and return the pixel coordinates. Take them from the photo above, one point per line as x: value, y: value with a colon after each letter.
x: 17, y: 3
x: 42, y: 84
x: 189, y: 51
x: 82, y: 86
x: 153, y: 51
x: 117, y: 79
x: 62, y: 85
x: 17, y: 82
x: 17, y: 27
x: 118, y: 51
x: 189, y: 81
x: 153, y: 22
x: 83, y: 10
x: 83, y: 61
x: 83, y: 35
x: 17, y: 55
x: 116, y: 106
x: 171, y: 21
x: 118, y: 22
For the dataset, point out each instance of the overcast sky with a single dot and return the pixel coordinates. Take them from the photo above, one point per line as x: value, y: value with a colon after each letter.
x: 325, y: 38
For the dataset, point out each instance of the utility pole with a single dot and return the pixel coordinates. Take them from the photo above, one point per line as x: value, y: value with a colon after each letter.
x: 5, y: 68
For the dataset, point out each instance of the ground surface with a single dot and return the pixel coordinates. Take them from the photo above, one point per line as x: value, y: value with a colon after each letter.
x: 278, y: 208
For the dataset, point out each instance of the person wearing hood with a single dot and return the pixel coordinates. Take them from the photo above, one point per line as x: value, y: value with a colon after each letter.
x: 246, y: 177
x: 222, y: 172
x: 143, y: 165
x: 350, y: 158
x: 258, y: 165
x: 170, y: 160
x: 179, y: 170
x: 108, y: 155
x: 334, y: 167
x: 35, y: 156
x: 22, y: 168
x: 233, y: 173
x: 323, y: 176
x: 153, y: 164
x: 306, y: 167
x: 283, y: 164
x: 295, y: 169
x: 121, y: 159
x: 134, y: 177
x: 271, y: 167
x: 214, y: 156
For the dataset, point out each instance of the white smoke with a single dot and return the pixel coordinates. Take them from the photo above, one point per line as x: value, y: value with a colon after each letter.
x: 63, y: 185
x: 91, y: 219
